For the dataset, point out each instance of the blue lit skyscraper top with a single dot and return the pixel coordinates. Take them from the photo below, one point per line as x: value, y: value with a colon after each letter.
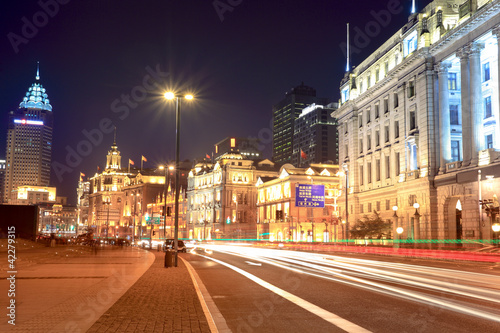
x: 36, y: 97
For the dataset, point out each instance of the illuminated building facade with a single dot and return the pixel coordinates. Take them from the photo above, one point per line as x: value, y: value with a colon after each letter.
x: 57, y: 218
x: 278, y: 217
x: 419, y: 123
x: 222, y: 197
x: 106, y: 196
x: 248, y: 147
x: 315, y: 136
x: 284, y: 115
x: 157, y: 208
x: 29, y: 141
x: 32, y: 195
x: 82, y: 204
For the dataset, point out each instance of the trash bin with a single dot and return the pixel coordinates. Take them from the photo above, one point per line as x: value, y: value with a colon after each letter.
x: 169, y: 258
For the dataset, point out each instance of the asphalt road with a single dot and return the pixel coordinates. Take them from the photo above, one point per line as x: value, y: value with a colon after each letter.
x: 263, y: 290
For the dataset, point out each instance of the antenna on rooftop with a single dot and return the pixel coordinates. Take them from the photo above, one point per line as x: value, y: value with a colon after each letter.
x: 347, y: 67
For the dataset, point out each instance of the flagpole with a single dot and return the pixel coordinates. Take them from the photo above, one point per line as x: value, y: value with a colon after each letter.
x: 129, y: 165
x: 142, y: 161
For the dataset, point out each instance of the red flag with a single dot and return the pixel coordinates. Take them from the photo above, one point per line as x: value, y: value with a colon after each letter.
x: 143, y: 158
x: 98, y: 169
x: 130, y: 161
x: 303, y: 155
x: 81, y: 176
x: 208, y: 156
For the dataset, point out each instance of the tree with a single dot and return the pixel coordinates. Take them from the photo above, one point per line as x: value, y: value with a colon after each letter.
x: 371, y: 227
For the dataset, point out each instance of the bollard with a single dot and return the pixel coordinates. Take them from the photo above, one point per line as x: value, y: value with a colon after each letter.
x: 169, y: 258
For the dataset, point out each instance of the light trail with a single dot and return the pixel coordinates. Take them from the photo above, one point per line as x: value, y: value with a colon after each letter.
x: 446, y: 288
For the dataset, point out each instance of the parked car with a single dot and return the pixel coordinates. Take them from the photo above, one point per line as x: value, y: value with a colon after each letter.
x: 181, y: 247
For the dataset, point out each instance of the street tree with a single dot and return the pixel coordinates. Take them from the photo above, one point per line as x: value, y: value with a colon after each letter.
x: 371, y: 227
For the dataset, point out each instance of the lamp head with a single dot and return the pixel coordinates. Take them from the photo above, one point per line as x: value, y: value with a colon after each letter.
x: 399, y: 230
x: 416, y: 205
x: 169, y: 95
x: 394, y: 208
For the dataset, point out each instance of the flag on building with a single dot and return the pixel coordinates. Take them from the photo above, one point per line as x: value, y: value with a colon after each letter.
x: 303, y: 154
x: 98, y: 169
x: 130, y: 161
x: 81, y: 176
x: 144, y: 159
x: 208, y: 156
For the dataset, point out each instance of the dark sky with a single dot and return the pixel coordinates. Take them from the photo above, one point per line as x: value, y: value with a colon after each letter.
x: 238, y: 63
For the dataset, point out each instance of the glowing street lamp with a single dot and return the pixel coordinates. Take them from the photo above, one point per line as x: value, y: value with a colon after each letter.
x: 171, y: 96
x: 496, y: 230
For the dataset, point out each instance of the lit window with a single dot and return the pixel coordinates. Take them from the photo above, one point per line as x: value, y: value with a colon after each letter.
x: 487, y: 107
x: 345, y: 94
x: 452, y: 81
x: 486, y: 72
x: 410, y: 44
x: 489, y: 141
x: 454, y: 120
x: 455, y: 150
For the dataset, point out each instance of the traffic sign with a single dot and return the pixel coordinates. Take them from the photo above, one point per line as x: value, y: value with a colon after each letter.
x: 310, y: 195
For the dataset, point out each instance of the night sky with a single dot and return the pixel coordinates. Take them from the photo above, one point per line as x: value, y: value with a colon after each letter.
x: 96, y: 59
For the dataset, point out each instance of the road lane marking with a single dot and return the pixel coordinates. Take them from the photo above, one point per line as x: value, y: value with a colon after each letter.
x: 308, y: 306
x: 254, y: 263
x: 216, y: 321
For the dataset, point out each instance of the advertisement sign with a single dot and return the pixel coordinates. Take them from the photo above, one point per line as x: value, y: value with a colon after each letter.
x: 310, y: 195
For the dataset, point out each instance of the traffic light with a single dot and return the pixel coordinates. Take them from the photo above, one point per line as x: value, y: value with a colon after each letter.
x: 154, y: 232
x: 169, y: 211
x: 228, y: 220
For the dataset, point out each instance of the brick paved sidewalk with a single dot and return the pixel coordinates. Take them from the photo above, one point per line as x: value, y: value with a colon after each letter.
x: 162, y: 300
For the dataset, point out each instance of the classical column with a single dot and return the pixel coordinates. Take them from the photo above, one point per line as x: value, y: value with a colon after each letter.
x: 476, y: 102
x: 463, y: 54
x: 444, y: 116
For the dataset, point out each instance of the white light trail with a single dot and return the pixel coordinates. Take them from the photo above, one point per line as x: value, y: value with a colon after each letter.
x: 429, y: 285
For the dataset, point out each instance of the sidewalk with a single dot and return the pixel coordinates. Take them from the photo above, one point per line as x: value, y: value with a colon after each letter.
x: 162, y: 300
x: 66, y: 288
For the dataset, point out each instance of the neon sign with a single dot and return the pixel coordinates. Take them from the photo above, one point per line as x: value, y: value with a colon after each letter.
x: 28, y: 122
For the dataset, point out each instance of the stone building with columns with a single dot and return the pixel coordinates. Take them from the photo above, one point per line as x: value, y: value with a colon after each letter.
x: 419, y: 124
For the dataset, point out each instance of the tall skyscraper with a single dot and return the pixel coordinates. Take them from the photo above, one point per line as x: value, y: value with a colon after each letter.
x: 315, y: 137
x: 284, y: 115
x: 29, y: 141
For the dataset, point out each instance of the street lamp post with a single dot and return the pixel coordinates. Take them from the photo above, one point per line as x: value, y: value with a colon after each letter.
x: 416, y: 223
x: 171, y: 96
x: 395, y: 209
x: 346, y: 173
x: 107, y: 202
x: 135, y: 214
x: 399, y: 231
x: 165, y: 196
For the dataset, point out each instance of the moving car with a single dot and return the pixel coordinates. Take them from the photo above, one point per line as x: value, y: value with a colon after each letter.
x: 181, y: 247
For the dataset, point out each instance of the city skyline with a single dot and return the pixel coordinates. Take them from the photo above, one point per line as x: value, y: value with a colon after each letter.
x: 93, y: 55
